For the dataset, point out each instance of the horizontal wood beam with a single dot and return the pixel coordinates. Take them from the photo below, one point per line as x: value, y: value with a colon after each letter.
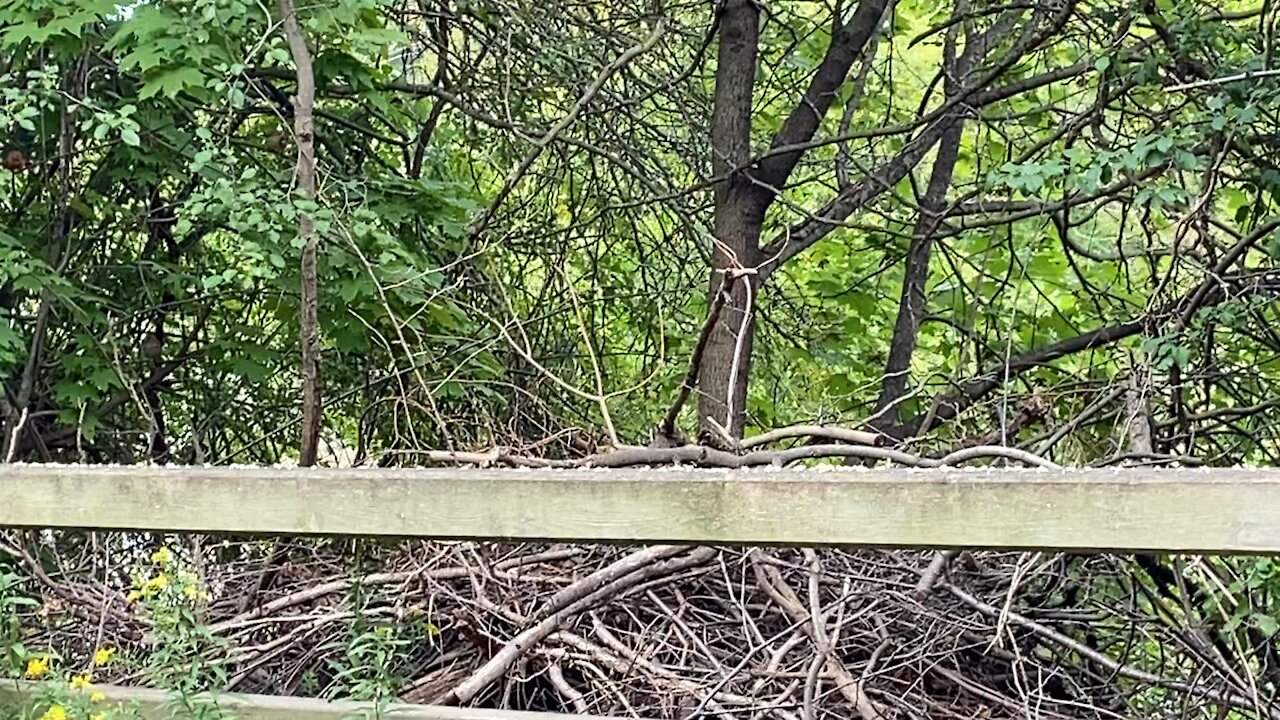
x: 1191, y: 510
x: 154, y: 705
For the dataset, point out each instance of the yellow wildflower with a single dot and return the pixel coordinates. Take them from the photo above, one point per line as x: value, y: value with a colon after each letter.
x: 158, y: 582
x: 133, y: 596
x: 97, y: 697
x: 102, y: 656
x: 81, y: 681
x: 162, y: 556
x: 38, y: 666
x: 191, y: 592
x: 55, y: 712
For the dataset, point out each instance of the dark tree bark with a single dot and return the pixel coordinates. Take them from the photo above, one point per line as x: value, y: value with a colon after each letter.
x: 739, y: 217
x: 911, y: 308
x: 933, y: 209
x: 745, y: 193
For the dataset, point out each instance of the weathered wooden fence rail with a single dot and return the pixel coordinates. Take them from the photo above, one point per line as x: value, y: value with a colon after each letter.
x: 1223, y: 511
x: 152, y: 705
x: 1185, y: 511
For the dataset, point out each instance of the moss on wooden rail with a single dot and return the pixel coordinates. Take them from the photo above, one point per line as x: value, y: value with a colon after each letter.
x: 1226, y: 510
x: 153, y: 705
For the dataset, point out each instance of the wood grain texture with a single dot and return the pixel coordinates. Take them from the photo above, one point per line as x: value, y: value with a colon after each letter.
x: 151, y: 705
x: 1222, y: 510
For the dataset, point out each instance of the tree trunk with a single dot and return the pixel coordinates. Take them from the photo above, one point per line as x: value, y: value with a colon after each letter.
x: 1137, y: 410
x: 739, y: 216
x: 726, y: 361
x: 304, y: 131
x: 911, y: 308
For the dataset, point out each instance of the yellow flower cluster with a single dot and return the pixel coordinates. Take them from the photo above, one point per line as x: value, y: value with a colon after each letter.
x: 103, y: 656
x: 166, y: 576
x: 41, y: 666
x: 57, y: 712
x: 38, y: 666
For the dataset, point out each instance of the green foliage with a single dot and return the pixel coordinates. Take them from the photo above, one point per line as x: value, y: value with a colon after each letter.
x: 180, y: 646
x: 59, y: 694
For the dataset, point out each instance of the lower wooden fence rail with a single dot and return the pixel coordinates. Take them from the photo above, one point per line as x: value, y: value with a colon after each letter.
x: 154, y: 705
x: 1158, y: 510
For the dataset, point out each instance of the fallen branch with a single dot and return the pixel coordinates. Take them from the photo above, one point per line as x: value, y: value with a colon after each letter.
x: 936, y: 568
x: 605, y: 583
x: 855, y: 437
x: 709, y: 457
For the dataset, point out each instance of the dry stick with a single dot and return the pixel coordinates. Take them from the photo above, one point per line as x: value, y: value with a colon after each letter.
x: 824, y: 644
x: 494, y: 456
x: 631, y: 563
x: 668, y: 427
x: 712, y: 457
x: 570, y: 693
x: 856, y: 437
x: 304, y: 101
x: 595, y: 364
x: 1248, y: 75
x: 1051, y: 635
x: 937, y: 566
x: 731, y: 428
x: 13, y: 439
x: 770, y: 580
x: 631, y: 570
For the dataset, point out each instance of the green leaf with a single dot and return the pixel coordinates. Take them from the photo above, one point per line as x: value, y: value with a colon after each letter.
x: 1266, y: 624
x: 171, y: 82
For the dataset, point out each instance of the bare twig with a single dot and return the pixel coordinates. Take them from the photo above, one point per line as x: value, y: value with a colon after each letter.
x: 667, y: 428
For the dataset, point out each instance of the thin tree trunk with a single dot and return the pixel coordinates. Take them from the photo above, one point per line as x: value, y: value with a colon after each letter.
x: 1137, y: 410
x: 304, y: 131
x: 160, y: 222
x: 911, y: 308
x: 16, y: 413
x: 933, y: 207
x: 739, y: 216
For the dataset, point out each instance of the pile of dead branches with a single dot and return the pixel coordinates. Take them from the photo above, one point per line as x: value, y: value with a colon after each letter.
x: 677, y: 632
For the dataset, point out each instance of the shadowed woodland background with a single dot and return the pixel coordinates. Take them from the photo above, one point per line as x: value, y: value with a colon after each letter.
x: 556, y: 231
